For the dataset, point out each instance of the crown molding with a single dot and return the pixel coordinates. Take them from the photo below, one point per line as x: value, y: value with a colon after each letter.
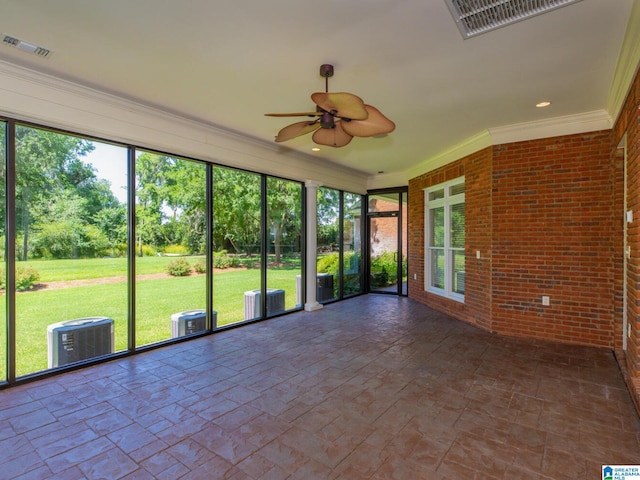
x: 462, y: 149
x: 628, y: 63
x: 552, y: 127
x: 40, y: 98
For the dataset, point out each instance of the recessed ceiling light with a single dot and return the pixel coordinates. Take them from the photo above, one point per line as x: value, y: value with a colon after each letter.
x: 543, y: 104
x: 315, y: 149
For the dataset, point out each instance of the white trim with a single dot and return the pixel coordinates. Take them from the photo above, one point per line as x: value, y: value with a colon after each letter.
x: 35, y: 97
x: 462, y: 149
x: 446, y: 202
x: 553, y: 127
x: 628, y: 63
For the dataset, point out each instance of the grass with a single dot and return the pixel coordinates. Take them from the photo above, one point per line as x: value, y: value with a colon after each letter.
x: 88, y: 268
x: 156, y: 301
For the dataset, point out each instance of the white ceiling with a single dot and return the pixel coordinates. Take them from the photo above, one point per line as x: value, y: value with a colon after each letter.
x: 228, y: 62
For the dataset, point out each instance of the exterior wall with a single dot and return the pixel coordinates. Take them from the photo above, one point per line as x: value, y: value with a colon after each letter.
x: 384, y: 237
x: 541, y: 214
x: 627, y: 132
x: 553, y: 234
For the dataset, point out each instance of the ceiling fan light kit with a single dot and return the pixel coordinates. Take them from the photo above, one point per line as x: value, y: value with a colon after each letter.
x: 339, y: 116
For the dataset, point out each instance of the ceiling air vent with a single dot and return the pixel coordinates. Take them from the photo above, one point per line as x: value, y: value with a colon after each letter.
x: 25, y: 46
x: 474, y: 17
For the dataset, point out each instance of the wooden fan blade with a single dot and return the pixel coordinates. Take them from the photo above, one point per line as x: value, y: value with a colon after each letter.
x: 375, y: 124
x: 332, y: 137
x: 296, y: 129
x: 345, y: 105
x: 295, y: 114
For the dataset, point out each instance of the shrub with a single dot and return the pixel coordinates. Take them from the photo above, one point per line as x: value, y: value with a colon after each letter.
x: 145, y: 251
x: 222, y: 260
x: 26, y: 278
x: 328, y: 264
x: 200, y: 266
x: 179, y: 267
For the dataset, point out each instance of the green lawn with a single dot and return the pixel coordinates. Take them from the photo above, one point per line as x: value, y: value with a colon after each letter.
x: 82, y: 269
x: 156, y: 301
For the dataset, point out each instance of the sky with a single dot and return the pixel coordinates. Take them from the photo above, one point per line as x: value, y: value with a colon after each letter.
x: 110, y: 162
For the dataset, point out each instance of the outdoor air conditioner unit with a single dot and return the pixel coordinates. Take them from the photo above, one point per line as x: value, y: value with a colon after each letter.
x: 253, y: 303
x: 190, y: 322
x: 80, y: 339
x: 324, y: 287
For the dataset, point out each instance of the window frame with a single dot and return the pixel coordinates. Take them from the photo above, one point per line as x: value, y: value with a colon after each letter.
x: 448, y: 200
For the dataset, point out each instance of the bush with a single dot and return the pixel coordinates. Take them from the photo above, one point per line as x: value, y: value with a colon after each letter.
x: 179, y: 267
x: 145, y: 251
x: 222, y: 260
x: 26, y: 278
x: 328, y: 264
x: 200, y: 266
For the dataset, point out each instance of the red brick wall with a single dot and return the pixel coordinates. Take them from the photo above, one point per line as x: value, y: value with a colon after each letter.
x: 553, y: 234
x: 541, y: 214
x: 628, y: 124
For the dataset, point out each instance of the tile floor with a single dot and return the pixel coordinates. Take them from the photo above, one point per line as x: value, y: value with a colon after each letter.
x: 375, y: 387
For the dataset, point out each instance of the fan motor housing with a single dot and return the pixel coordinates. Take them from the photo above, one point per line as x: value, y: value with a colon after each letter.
x: 326, y: 70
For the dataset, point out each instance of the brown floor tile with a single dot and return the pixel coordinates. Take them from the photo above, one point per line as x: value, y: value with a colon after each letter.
x: 375, y: 387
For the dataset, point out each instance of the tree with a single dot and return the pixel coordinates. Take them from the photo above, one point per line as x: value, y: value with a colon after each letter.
x: 284, y: 212
x: 171, y: 202
x: 47, y: 163
x: 236, y: 209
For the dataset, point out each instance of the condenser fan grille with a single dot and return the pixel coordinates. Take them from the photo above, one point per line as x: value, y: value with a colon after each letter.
x: 474, y: 17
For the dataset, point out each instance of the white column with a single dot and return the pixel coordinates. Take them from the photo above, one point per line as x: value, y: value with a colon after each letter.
x: 312, y: 245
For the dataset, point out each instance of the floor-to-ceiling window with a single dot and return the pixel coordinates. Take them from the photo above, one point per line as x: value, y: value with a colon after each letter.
x: 339, y: 255
x: 171, y: 222
x: 114, y: 248
x: 70, y: 250
x: 352, y: 244
x: 237, y: 245
x: 328, y: 244
x: 284, y: 243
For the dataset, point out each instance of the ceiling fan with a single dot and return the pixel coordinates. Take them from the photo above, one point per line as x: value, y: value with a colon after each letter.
x: 339, y: 116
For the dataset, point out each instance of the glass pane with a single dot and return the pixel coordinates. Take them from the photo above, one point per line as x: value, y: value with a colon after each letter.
x: 3, y: 270
x: 284, y: 259
x: 436, y: 227
x: 436, y: 194
x: 384, y: 253
x: 457, y: 225
x: 437, y: 267
x: 71, y: 256
x: 458, y: 271
x: 236, y: 245
x: 170, y: 247
x: 328, y: 257
x: 456, y: 189
x: 386, y: 202
x: 352, y: 246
